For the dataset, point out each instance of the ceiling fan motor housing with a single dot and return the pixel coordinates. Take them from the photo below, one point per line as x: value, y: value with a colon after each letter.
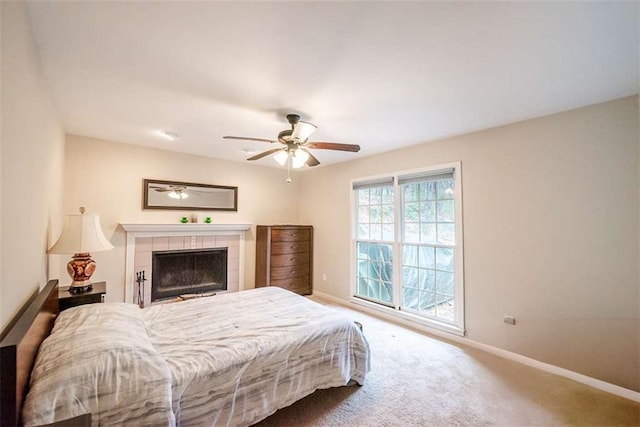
x: 293, y: 119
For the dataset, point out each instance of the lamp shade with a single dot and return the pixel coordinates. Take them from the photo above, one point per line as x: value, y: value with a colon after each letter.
x: 81, y: 234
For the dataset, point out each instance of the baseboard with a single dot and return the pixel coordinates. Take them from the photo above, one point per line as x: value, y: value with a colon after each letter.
x: 546, y: 367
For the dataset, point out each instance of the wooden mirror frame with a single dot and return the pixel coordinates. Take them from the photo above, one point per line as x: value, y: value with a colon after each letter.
x: 223, y: 198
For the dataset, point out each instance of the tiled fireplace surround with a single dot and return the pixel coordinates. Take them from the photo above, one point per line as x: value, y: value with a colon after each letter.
x: 143, y: 239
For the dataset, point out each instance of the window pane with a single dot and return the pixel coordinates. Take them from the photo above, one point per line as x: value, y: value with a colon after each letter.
x: 363, y: 268
x: 387, y: 232
x: 375, y: 214
x: 375, y: 232
x: 446, y: 309
x: 412, y: 212
x: 410, y: 298
x: 363, y: 231
x: 363, y: 196
x: 428, y: 190
x: 362, y: 287
x: 426, y: 257
x: 428, y: 211
x: 444, y: 283
x: 446, y: 234
x: 444, y: 259
x: 411, y: 192
x: 445, y: 189
x: 363, y: 249
x: 410, y: 255
x: 387, y: 213
x: 427, y: 301
x: 374, y: 289
x: 363, y: 214
x: 386, y: 271
x: 410, y: 277
x: 427, y: 280
x: 387, y: 195
x: 386, y: 293
x: 375, y: 196
x: 412, y: 233
x: 445, y: 211
x: 428, y: 233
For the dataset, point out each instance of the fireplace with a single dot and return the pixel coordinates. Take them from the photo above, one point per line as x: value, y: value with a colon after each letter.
x: 144, y: 239
x: 189, y: 271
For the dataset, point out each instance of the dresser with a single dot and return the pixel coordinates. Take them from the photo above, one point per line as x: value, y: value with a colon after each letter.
x: 284, y: 257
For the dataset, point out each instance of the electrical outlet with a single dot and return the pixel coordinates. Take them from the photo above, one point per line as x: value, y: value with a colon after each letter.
x: 510, y: 320
x: 324, y: 277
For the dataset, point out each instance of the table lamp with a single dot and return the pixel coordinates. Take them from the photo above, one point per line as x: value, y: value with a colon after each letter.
x: 81, y: 235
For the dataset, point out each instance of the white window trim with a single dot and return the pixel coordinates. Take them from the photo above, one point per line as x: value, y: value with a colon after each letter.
x: 459, y: 327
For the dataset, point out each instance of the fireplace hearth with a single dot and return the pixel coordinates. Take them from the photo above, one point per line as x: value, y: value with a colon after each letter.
x: 189, y: 271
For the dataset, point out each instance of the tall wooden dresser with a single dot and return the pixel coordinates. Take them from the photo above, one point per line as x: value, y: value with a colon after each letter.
x: 284, y: 257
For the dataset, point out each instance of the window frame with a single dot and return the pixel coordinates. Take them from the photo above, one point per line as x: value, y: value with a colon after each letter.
x: 457, y: 327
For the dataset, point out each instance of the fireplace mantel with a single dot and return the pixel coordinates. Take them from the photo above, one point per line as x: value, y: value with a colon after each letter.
x: 195, y: 236
x: 186, y: 229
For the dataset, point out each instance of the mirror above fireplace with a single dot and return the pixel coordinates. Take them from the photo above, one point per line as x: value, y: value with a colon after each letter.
x: 159, y: 194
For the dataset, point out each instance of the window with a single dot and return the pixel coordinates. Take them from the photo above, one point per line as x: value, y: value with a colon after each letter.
x: 408, y: 245
x: 374, y: 240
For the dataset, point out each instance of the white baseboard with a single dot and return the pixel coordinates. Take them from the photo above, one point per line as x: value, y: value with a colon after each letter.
x: 584, y: 379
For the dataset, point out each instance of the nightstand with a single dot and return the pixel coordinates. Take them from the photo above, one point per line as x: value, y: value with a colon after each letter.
x: 67, y: 300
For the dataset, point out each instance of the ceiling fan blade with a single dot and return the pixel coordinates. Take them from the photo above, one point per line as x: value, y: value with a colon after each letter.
x: 246, y: 138
x: 354, y: 148
x: 264, y: 154
x: 311, y: 161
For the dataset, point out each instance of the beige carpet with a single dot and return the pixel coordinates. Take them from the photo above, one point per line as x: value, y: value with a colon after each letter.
x: 418, y: 380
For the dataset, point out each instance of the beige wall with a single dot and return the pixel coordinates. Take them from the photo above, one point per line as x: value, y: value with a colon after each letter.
x: 32, y: 144
x: 550, y: 234
x: 106, y: 177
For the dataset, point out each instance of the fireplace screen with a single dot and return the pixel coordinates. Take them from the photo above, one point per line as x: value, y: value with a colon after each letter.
x: 188, y: 272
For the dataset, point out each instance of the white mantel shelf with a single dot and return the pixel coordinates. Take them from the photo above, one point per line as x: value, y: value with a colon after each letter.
x: 183, y: 228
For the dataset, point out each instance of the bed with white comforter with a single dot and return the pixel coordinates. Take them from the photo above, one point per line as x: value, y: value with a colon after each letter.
x: 231, y: 359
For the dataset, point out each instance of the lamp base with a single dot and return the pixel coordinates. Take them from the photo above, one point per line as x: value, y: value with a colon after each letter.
x: 79, y: 289
x: 80, y: 268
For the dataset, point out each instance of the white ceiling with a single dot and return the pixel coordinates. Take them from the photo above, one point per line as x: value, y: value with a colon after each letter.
x: 383, y: 75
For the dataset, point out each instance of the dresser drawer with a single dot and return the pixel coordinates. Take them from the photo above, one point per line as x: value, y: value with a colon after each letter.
x: 289, y: 247
x: 291, y: 234
x: 292, y: 259
x: 280, y: 273
x: 299, y: 285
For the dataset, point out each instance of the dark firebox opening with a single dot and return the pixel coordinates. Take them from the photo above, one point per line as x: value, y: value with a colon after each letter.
x: 190, y: 271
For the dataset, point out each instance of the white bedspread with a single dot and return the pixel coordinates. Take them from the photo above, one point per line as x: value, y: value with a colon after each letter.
x: 231, y: 359
x: 236, y: 358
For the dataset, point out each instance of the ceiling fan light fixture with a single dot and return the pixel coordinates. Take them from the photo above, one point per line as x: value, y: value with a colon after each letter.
x: 281, y: 157
x: 177, y: 195
x: 302, y: 131
x: 298, y: 158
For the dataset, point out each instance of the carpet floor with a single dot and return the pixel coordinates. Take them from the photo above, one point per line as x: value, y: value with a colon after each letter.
x: 420, y: 380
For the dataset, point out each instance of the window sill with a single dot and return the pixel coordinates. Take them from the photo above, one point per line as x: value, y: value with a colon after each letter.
x: 409, y: 318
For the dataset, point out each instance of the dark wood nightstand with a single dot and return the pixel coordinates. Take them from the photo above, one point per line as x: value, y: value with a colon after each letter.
x: 67, y: 300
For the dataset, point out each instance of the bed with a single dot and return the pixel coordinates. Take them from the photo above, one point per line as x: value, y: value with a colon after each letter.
x: 231, y: 359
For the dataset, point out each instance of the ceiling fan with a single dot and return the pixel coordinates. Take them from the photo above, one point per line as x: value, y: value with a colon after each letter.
x: 175, y: 191
x: 293, y: 145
